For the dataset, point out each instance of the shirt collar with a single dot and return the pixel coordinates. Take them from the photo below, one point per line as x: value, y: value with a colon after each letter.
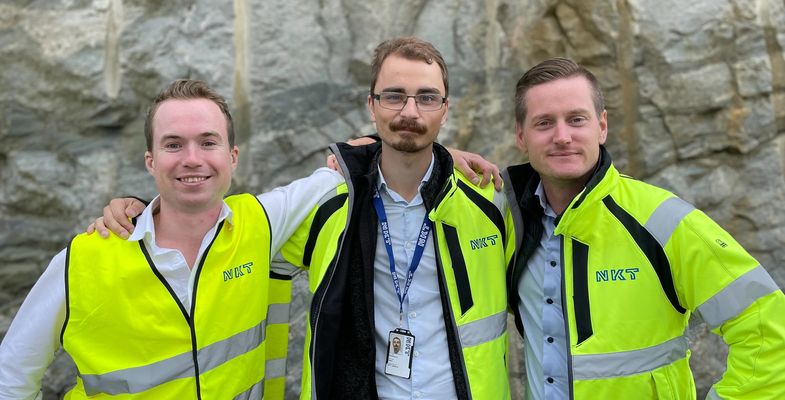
x: 540, y: 193
x: 145, y: 226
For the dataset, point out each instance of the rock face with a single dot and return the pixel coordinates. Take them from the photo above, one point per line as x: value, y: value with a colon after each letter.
x: 695, y: 94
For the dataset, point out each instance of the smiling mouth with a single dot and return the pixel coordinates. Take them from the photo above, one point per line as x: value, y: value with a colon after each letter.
x: 193, y: 179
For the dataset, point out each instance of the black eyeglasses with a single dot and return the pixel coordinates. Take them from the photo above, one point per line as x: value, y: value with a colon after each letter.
x: 397, y: 101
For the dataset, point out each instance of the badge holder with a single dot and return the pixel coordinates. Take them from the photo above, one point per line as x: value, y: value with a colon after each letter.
x: 400, y: 347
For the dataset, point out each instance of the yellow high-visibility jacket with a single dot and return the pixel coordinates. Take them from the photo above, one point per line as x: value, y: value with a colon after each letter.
x: 338, y: 247
x: 131, y: 337
x: 637, y: 261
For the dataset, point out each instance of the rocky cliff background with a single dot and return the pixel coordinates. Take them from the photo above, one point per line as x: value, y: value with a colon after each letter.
x: 695, y: 95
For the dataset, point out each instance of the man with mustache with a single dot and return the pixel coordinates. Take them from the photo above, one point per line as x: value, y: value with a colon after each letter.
x: 407, y: 248
x: 608, y: 269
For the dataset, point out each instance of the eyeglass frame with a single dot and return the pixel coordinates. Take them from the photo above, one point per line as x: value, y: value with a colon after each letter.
x: 377, y: 97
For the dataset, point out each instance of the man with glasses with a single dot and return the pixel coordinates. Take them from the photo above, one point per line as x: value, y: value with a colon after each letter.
x: 410, y: 250
x: 407, y: 249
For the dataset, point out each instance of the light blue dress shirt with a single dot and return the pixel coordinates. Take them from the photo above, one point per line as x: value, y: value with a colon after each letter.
x: 540, y: 305
x: 431, y: 371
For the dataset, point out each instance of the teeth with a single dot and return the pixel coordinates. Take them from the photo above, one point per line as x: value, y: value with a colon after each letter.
x: 193, y: 179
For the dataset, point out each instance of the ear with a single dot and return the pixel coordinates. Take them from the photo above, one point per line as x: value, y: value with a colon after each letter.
x: 603, y: 126
x: 520, y: 140
x: 370, y: 108
x: 446, y: 111
x: 234, y: 154
x: 148, y: 162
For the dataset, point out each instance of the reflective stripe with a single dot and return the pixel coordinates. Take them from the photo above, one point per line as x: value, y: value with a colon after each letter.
x: 275, y: 368
x: 736, y: 297
x: 483, y: 330
x: 219, y: 352
x: 278, y: 313
x: 664, y: 220
x: 284, y: 268
x: 254, y: 392
x: 625, y: 363
x: 712, y: 395
x: 138, y: 379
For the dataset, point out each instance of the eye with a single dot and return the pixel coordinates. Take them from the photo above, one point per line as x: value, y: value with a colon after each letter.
x: 392, y: 98
x: 542, y: 124
x: 428, y: 98
x: 578, y: 120
x: 171, y: 146
x: 209, y: 143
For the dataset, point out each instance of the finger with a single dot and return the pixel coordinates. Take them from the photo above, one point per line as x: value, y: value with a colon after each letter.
x: 486, y: 177
x: 120, y: 212
x: 113, y: 220
x: 361, y: 141
x: 90, y: 229
x: 101, y: 228
x: 332, y: 162
x: 465, y: 166
x: 133, y: 208
x: 497, y: 179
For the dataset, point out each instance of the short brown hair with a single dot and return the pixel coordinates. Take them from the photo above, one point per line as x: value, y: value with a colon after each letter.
x: 185, y: 89
x: 410, y: 48
x: 551, y: 70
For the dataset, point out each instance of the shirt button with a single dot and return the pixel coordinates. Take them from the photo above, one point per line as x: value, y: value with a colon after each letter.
x: 416, y: 353
x: 550, y: 340
x: 412, y: 314
x: 553, y: 263
x: 549, y: 301
x: 417, y: 394
x: 409, y: 245
x: 550, y: 380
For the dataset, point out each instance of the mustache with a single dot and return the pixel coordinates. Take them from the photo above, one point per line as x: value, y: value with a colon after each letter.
x: 408, y: 125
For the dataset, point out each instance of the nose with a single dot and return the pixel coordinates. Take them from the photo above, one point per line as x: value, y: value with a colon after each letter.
x: 561, y: 134
x: 410, y: 109
x: 192, y: 156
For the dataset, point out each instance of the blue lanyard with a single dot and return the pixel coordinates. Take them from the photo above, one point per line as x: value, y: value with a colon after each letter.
x: 422, y: 238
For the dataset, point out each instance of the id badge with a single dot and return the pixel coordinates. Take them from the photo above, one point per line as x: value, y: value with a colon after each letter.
x: 400, y: 347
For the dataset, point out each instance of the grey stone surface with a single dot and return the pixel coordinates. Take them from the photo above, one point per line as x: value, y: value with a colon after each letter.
x: 695, y: 93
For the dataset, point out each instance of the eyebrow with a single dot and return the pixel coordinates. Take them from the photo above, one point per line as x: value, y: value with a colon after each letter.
x: 419, y: 91
x: 576, y: 111
x: 170, y: 136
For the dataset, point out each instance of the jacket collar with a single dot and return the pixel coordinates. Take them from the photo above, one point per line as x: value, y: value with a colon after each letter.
x: 523, y: 181
x: 362, y: 163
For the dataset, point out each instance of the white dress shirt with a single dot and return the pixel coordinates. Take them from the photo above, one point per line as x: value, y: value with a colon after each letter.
x: 422, y: 308
x: 540, y: 305
x: 34, y: 335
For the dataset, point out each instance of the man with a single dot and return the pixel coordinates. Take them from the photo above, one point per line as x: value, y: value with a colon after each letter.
x: 608, y: 269
x: 183, y: 308
x: 396, y: 344
x: 404, y: 210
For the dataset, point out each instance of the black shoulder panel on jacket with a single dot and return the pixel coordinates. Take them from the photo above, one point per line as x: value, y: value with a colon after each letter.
x: 488, y: 208
x: 459, y: 268
x: 324, y: 213
x: 580, y: 287
x: 650, y: 247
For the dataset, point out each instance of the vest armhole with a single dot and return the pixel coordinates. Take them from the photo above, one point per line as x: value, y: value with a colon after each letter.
x: 67, y: 294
